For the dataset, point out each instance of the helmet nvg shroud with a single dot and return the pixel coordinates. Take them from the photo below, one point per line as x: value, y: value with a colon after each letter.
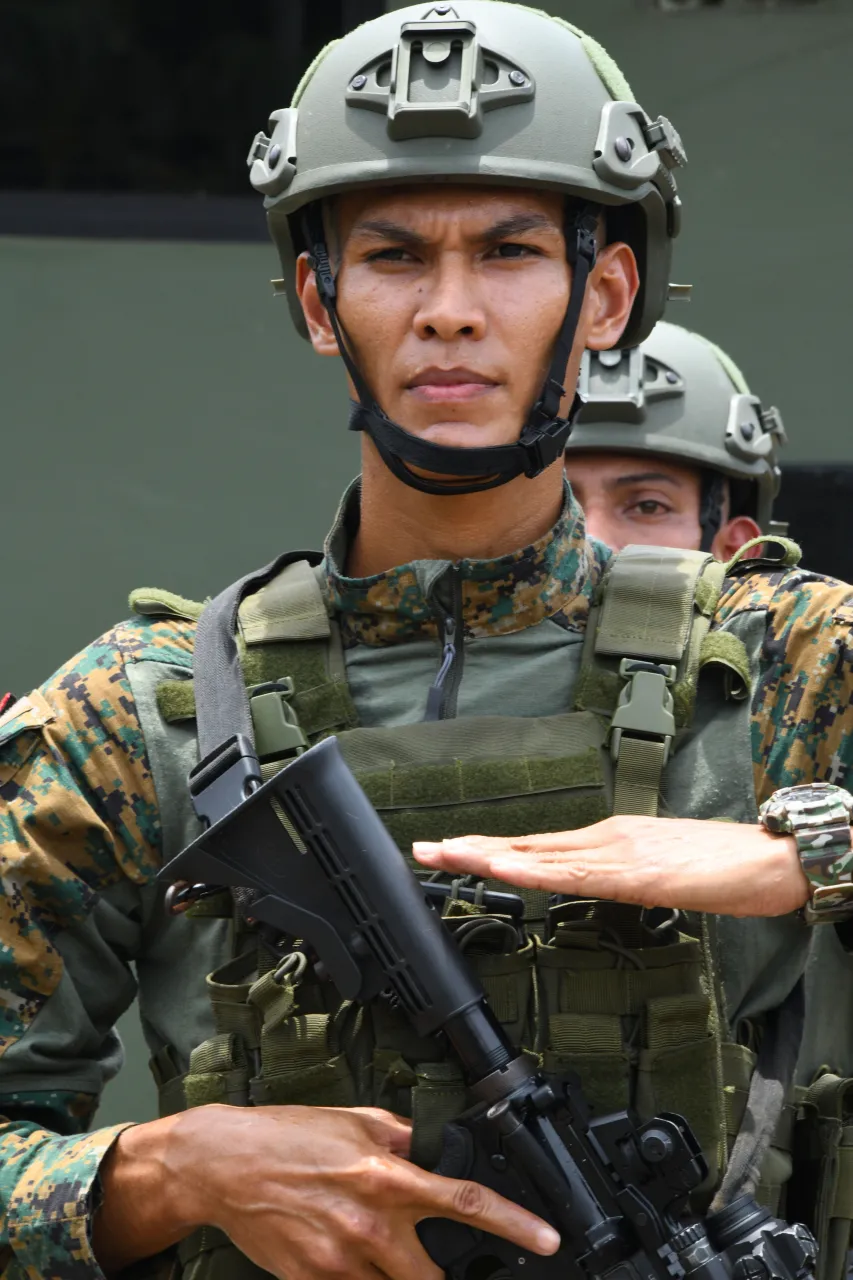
x: 486, y: 92
x: 679, y: 396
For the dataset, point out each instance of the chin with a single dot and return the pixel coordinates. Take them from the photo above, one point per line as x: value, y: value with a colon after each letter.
x: 465, y: 435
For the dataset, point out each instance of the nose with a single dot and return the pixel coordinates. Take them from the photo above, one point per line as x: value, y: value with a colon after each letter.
x: 598, y: 516
x: 604, y: 530
x: 451, y: 304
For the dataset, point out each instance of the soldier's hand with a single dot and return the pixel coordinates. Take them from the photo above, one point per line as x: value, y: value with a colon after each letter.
x: 308, y: 1193
x: 726, y: 868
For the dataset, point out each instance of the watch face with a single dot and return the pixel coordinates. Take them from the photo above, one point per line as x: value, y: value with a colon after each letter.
x: 811, y: 793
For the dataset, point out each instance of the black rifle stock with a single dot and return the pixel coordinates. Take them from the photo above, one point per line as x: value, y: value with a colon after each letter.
x: 616, y: 1189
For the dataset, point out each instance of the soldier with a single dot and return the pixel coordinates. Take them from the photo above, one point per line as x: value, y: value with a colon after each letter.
x: 458, y: 232
x: 681, y: 402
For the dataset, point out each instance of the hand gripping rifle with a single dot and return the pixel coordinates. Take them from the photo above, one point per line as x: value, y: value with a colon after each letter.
x: 325, y: 870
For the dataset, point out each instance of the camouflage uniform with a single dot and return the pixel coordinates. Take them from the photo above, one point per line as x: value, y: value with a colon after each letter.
x: 80, y: 826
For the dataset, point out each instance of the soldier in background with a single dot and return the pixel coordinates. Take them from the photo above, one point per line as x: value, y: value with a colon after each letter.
x: 672, y: 449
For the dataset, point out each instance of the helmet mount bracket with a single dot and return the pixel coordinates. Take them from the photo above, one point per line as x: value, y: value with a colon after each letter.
x: 438, y: 81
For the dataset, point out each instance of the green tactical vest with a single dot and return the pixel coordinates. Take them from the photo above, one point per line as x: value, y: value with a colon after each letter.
x: 652, y: 1009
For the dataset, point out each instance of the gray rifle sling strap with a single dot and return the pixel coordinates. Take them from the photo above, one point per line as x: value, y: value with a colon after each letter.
x: 228, y: 770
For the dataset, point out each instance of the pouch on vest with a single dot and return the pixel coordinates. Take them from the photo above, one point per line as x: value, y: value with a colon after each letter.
x: 821, y: 1190
x: 629, y: 1010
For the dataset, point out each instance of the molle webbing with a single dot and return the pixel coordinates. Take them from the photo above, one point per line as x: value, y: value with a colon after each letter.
x: 498, y: 775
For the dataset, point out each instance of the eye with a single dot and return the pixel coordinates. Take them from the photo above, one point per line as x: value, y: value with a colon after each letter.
x: 512, y: 251
x: 397, y: 254
x: 651, y: 507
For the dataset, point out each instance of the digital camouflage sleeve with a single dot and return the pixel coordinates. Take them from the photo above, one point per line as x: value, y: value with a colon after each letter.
x: 78, y: 817
x: 802, y: 710
x: 78, y: 814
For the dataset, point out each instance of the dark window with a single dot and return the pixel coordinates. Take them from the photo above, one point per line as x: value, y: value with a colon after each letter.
x: 151, y: 95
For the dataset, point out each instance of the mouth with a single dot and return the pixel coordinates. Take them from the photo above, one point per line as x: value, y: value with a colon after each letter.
x: 436, y: 385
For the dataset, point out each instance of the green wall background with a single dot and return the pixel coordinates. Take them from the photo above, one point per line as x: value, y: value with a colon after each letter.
x: 162, y: 425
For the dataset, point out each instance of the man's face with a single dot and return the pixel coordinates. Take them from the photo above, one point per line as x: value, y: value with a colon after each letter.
x: 633, y: 498
x: 452, y: 298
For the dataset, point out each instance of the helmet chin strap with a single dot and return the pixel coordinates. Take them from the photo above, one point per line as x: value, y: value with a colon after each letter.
x: 712, y: 497
x: 469, y: 470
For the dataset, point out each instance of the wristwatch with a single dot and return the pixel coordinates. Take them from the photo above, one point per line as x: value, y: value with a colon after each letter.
x: 817, y: 815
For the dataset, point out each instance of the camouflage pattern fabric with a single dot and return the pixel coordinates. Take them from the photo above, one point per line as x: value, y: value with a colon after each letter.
x: 78, y: 811
x: 802, y: 712
x: 52, y: 1184
x: 554, y: 578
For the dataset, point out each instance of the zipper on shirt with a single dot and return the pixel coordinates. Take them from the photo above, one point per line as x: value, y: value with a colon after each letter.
x: 441, y: 699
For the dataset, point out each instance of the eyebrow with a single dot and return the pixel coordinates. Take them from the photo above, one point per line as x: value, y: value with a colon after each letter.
x: 516, y: 224
x: 643, y: 477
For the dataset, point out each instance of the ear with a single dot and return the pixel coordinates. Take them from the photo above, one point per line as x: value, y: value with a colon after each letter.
x: 316, y: 316
x: 732, y: 535
x: 613, y: 285
x: 610, y: 292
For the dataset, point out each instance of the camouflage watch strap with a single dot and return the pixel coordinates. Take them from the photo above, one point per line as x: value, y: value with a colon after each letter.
x: 818, y: 815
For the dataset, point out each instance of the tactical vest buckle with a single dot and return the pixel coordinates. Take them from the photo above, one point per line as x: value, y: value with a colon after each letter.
x: 278, y: 735
x: 645, y: 707
x: 224, y: 779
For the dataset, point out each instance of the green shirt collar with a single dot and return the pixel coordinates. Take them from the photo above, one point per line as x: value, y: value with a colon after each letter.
x: 551, y: 578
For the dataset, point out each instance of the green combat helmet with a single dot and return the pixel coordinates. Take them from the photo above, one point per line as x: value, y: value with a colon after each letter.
x: 679, y: 396
x: 478, y: 91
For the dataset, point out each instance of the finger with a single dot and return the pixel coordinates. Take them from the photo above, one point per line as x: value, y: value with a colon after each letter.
x: 529, y: 871
x: 405, y: 1259
x: 428, y: 848
x: 591, y: 837
x: 456, y: 855
x: 478, y: 1206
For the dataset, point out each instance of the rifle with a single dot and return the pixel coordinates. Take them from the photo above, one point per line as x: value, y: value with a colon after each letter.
x: 323, y: 868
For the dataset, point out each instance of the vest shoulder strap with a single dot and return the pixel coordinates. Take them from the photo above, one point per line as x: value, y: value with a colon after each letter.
x: 650, y: 598
x: 287, y: 640
x: 646, y: 640
x: 290, y: 607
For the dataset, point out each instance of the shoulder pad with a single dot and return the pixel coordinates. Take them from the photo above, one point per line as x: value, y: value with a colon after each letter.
x: 649, y: 599
x: 290, y: 607
x: 155, y: 602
